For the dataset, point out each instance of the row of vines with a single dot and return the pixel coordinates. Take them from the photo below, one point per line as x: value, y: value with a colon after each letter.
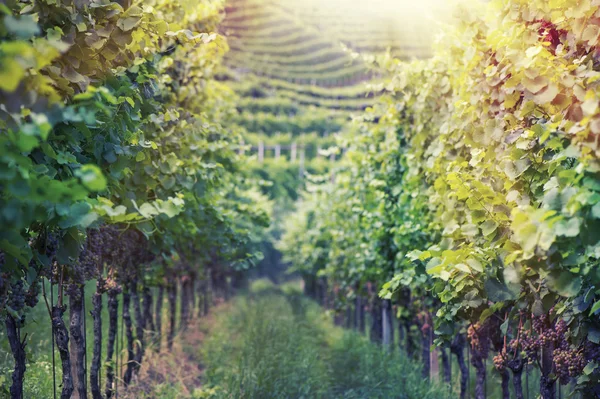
x: 469, y: 201
x: 114, y: 168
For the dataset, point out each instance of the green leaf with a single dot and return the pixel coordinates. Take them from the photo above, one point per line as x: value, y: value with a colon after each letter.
x: 469, y: 230
x: 488, y: 227
x: 590, y: 367
x: 504, y: 326
x: 24, y: 28
x: 565, y: 284
x: 91, y: 177
x: 79, y: 214
x: 497, y: 291
x: 538, y: 308
x: 13, y: 244
x: 171, y: 208
x: 148, y: 210
x: 475, y: 265
x: 485, y: 315
x: 595, y: 308
x: 462, y: 267
x: 594, y: 335
x: 569, y: 228
x: 127, y: 24
x: 168, y: 182
x: 473, y: 299
x: 596, y: 211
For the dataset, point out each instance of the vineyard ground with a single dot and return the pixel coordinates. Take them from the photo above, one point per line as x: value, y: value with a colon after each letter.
x: 269, y: 342
x: 276, y: 343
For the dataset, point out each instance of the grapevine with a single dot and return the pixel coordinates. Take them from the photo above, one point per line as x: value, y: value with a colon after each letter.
x: 114, y: 165
x: 472, y: 184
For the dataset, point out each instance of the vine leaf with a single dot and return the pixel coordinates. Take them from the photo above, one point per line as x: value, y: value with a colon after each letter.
x: 498, y: 291
x: 92, y: 178
x: 595, y: 308
x: 565, y: 284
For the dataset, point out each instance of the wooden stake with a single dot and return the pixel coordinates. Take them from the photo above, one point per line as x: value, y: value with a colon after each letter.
x: 261, y: 151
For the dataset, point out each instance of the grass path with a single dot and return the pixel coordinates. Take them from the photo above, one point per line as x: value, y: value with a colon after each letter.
x: 275, y: 343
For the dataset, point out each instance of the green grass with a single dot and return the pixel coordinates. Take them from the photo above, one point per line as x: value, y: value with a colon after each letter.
x: 275, y: 343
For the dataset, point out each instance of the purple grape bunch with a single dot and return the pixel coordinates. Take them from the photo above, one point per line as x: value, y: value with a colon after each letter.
x: 568, y: 363
x: 33, y: 294
x: 16, y: 299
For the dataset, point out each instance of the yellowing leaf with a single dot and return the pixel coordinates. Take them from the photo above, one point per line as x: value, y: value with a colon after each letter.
x: 536, y: 84
x: 11, y: 73
x: 533, y: 51
x: 128, y: 23
x: 546, y: 96
x: 511, y: 99
x: 591, y: 34
x: 469, y: 230
x: 488, y: 227
x: 462, y: 267
x: 589, y: 106
x: 475, y: 265
x: 73, y: 76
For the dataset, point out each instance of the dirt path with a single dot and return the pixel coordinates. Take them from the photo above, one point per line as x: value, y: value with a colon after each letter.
x: 177, y: 372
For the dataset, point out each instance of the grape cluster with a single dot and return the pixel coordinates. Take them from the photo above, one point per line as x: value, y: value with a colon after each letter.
x: 568, y: 363
x: 95, y: 251
x: 119, y: 249
x: 544, y: 335
x: 423, y: 319
x: 86, y: 266
x: 49, y: 246
x: 46, y: 243
x: 52, y: 246
x: 561, y: 327
x: 530, y: 345
x: 479, y: 338
x: 592, y: 351
x: 33, y: 294
x: 3, y: 276
x: 500, y: 361
x: 16, y: 299
x: 3, y: 284
x: 540, y: 323
x: 549, y: 334
x: 550, y: 33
